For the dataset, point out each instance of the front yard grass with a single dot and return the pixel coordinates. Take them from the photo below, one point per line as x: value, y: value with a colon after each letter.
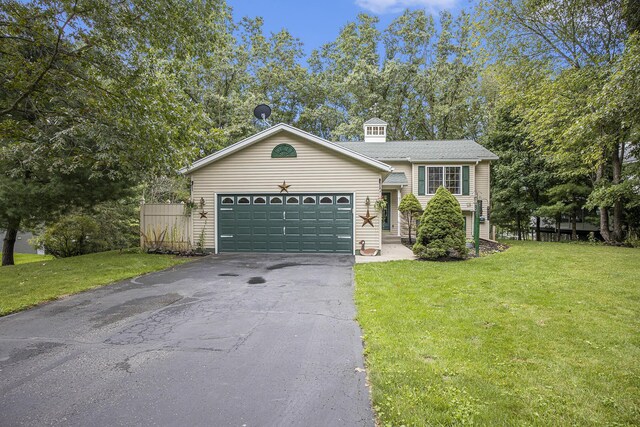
x: 25, y: 285
x: 542, y: 334
x: 25, y: 258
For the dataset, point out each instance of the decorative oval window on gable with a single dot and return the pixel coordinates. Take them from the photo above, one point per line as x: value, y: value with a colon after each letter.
x: 283, y: 150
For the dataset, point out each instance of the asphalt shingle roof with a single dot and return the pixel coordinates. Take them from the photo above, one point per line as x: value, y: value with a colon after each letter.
x: 418, y: 151
x: 396, y: 178
x: 375, y: 121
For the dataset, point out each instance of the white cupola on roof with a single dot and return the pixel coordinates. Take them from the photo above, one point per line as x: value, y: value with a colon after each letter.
x: 375, y: 130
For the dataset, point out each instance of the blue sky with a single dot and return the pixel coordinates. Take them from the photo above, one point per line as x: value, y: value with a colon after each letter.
x: 316, y: 22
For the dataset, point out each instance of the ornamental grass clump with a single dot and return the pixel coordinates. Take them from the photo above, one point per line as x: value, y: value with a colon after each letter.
x: 441, y: 232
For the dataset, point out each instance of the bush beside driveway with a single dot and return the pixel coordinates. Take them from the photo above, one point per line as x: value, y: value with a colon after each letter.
x: 542, y: 334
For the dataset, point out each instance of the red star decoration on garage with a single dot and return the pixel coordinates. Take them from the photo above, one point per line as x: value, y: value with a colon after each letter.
x: 368, y: 218
x: 284, y: 187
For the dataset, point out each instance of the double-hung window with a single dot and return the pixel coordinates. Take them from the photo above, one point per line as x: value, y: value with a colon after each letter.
x: 448, y: 176
x: 434, y: 179
x: 452, y: 179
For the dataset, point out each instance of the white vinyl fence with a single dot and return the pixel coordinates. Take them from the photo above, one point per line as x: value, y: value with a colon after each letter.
x: 165, y: 226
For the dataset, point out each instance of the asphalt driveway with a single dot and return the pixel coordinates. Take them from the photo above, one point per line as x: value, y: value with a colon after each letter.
x: 234, y: 340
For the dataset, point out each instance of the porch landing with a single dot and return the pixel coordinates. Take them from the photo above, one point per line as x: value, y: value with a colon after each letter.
x: 390, y: 252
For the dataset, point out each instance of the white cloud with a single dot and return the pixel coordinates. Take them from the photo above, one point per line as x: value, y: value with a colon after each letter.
x: 392, y: 6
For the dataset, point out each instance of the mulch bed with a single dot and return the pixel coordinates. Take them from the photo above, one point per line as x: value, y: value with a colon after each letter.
x: 487, y: 247
x: 188, y: 253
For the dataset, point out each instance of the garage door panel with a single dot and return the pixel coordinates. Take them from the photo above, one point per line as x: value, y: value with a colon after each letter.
x: 293, y: 230
x: 292, y: 214
x: 342, y: 230
x: 260, y: 216
x: 275, y: 215
x: 326, y: 215
x: 326, y: 231
x: 276, y: 227
x: 242, y: 215
x: 344, y: 215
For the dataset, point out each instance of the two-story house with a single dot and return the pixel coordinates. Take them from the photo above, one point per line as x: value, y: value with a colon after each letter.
x: 286, y: 190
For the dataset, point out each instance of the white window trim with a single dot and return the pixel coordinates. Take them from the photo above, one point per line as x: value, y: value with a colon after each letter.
x: 426, y: 178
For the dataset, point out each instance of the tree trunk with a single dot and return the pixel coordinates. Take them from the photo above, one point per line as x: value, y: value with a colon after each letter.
x: 574, y: 226
x: 538, y: 237
x: 519, y: 227
x: 617, y: 206
x: 558, y: 223
x: 604, y: 213
x: 9, y: 243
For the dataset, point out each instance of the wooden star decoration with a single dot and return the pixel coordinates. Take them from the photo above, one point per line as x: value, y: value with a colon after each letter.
x: 284, y: 187
x: 367, y: 219
x: 203, y: 214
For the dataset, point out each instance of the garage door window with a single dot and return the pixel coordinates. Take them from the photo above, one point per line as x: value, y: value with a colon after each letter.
x: 343, y: 200
x: 309, y: 200
x: 326, y: 200
x: 293, y: 200
x: 244, y: 201
x: 227, y: 200
x: 259, y: 201
x: 276, y: 200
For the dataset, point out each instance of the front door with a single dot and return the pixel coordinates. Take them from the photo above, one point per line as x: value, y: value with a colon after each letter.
x: 386, y: 214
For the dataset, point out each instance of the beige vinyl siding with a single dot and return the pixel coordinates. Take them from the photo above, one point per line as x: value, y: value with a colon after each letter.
x: 315, y: 169
x: 466, y: 202
x: 478, y: 183
x: 482, y: 187
x: 468, y: 216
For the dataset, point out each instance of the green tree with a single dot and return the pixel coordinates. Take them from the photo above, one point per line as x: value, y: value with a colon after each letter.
x: 410, y: 209
x: 561, y: 72
x: 93, y: 98
x: 520, y: 178
x: 566, y: 199
x: 441, y: 233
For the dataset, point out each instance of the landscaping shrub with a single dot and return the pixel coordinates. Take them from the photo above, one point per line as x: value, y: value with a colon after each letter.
x: 70, y: 236
x: 110, y: 225
x: 410, y: 208
x: 441, y: 232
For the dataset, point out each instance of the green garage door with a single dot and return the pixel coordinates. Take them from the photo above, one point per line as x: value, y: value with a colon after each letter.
x: 285, y: 223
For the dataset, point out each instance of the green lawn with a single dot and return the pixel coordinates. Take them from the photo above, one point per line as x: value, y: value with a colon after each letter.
x: 542, y: 334
x: 25, y: 258
x: 25, y: 285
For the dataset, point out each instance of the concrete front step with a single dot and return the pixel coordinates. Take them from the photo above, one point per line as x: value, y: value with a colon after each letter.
x: 390, y: 239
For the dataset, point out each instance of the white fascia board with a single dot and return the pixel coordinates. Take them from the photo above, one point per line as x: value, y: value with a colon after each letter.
x: 272, y: 131
x: 436, y: 161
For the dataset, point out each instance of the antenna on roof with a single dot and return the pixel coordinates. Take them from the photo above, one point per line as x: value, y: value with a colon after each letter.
x: 262, y: 113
